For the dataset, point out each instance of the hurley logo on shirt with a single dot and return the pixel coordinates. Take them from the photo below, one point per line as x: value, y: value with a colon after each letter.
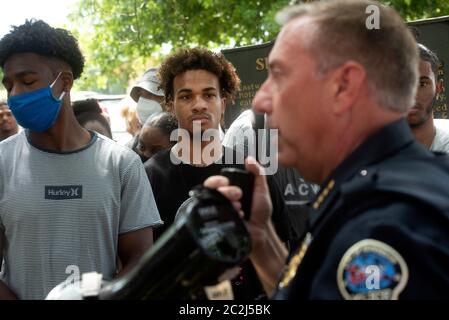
x: 63, y: 192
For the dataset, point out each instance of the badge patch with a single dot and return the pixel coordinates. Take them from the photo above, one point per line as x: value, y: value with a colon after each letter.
x: 371, y: 270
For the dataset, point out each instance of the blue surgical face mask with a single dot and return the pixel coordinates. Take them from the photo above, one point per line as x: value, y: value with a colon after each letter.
x: 36, y: 110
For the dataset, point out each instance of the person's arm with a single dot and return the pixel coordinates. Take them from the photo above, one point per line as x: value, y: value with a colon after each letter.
x: 268, y: 253
x: 131, y: 246
x: 5, y: 292
x: 269, y: 259
x: 281, y: 215
x: 138, y: 216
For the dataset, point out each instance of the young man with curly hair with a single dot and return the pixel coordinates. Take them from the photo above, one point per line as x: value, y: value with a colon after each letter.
x: 71, y: 201
x: 197, y: 83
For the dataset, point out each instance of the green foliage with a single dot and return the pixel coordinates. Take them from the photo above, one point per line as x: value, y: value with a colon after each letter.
x: 412, y: 10
x: 121, y: 38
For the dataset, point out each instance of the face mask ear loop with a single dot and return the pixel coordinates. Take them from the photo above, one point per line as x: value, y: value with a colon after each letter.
x: 51, y: 86
x: 57, y: 77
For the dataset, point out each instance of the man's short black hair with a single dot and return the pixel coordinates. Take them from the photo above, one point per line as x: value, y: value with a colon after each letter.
x: 164, y: 121
x: 40, y: 38
x: 89, y: 110
x: 88, y: 105
x: 428, y: 55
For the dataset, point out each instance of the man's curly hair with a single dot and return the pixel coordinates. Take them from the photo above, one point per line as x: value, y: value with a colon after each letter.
x: 40, y: 38
x: 198, y: 59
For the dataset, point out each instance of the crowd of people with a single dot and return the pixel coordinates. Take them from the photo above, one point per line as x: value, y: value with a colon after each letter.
x: 352, y: 107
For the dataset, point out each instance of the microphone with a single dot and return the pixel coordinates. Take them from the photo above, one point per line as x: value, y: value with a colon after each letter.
x: 245, y: 181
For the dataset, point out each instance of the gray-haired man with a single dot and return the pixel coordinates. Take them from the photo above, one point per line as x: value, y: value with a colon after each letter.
x: 339, y: 93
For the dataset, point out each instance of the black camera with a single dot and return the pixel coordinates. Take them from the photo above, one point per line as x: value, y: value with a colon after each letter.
x: 208, y: 239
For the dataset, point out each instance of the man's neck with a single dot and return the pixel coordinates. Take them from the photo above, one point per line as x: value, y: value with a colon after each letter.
x: 353, y: 134
x: 64, y: 136
x: 7, y: 134
x: 199, y: 153
x: 425, y: 133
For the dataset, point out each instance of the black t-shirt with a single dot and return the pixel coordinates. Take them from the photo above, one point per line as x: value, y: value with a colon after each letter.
x: 171, y: 184
x: 298, y: 195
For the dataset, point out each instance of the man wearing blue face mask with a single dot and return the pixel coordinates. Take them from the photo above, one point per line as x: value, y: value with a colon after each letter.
x: 71, y: 201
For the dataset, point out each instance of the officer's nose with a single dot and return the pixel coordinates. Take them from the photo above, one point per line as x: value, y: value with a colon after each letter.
x: 262, y: 101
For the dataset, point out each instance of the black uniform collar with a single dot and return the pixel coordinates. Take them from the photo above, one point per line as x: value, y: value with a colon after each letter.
x: 382, y: 144
x: 377, y: 147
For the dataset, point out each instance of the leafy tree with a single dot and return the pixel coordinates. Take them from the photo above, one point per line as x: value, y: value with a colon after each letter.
x: 411, y: 10
x: 121, y: 38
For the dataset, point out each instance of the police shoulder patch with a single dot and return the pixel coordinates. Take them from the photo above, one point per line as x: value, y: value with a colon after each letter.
x: 371, y: 270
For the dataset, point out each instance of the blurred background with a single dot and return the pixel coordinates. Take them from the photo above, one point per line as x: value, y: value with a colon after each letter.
x: 122, y: 38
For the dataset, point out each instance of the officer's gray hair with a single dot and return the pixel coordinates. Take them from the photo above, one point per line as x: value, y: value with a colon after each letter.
x: 388, y: 54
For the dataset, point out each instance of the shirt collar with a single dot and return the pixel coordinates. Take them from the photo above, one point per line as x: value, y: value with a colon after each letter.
x: 379, y: 146
x: 375, y: 148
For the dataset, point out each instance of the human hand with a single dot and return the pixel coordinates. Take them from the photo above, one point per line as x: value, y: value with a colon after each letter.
x: 261, y: 202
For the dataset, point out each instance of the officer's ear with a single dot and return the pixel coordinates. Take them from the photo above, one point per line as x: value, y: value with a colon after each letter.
x: 346, y: 84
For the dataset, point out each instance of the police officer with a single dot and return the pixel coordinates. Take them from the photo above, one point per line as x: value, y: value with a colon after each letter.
x: 340, y: 88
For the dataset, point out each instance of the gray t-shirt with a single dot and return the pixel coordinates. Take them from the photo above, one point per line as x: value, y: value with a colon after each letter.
x: 61, y: 213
